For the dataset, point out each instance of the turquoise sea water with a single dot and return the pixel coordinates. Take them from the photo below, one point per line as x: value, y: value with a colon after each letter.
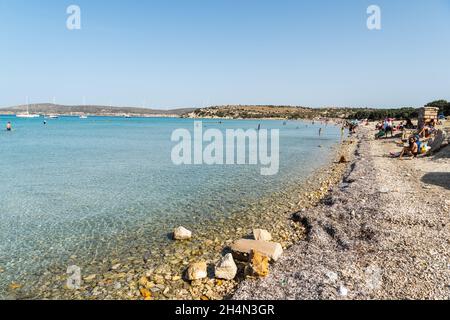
x: 75, y: 186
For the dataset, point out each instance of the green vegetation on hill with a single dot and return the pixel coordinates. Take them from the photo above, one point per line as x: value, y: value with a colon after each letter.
x: 294, y: 112
x: 379, y: 114
x: 443, y: 105
x: 283, y: 112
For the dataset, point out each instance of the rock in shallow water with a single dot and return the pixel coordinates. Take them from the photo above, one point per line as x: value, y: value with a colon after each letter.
x: 181, y: 233
x: 197, y: 271
x: 226, y: 268
x: 261, y: 234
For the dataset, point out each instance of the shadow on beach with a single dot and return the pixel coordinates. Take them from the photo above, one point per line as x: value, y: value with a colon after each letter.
x: 441, y: 179
x: 444, y: 153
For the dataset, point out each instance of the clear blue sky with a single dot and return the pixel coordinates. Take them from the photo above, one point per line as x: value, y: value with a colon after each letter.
x: 182, y: 53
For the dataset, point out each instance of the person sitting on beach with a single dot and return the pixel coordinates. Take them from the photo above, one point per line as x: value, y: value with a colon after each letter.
x: 380, y: 134
x: 379, y: 126
x: 428, y: 129
x: 411, y: 149
x: 409, y: 124
x: 8, y: 126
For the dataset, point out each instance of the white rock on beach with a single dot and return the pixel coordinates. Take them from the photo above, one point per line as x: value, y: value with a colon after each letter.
x: 261, y: 234
x: 332, y: 276
x: 272, y: 250
x: 343, y: 291
x: 181, y: 233
x: 197, y: 271
x: 384, y: 190
x: 226, y: 268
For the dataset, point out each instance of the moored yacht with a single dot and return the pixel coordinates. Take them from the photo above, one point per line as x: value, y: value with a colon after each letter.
x: 27, y: 114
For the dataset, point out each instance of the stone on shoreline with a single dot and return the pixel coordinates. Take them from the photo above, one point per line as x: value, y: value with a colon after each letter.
x: 145, y: 293
x: 244, y: 247
x: 116, y: 266
x: 90, y: 277
x: 197, y: 271
x: 181, y: 233
x: 343, y: 159
x: 259, y: 264
x: 298, y: 216
x: 143, y: 281
x: 343, y: 291
x: 226, y: 269
x: 15, y: 286
x: 261, y: 234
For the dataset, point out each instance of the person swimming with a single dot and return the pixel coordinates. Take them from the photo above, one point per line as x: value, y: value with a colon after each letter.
x: 8, y: 126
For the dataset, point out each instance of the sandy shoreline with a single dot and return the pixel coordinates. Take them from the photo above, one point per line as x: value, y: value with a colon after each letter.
x: 384, y: 234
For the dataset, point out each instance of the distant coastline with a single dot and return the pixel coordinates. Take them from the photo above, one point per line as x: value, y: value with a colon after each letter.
x: 93, y: 110
x: 231, y: 112
x: 77, y: 115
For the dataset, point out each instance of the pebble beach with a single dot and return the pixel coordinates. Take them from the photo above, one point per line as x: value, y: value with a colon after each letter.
x: 348, y: 232
x: 383, y: 234
x: 161, y: 273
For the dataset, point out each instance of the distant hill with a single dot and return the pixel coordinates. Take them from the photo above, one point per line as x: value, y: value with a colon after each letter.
x: 250, y: 112
x: 266, y: 112
x: 49, y: 108
x: 298, y: 112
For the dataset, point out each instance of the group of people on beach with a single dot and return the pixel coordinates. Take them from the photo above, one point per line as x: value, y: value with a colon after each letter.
x: 351, y: 126
x: 419, y: 142
x: 388, y: 126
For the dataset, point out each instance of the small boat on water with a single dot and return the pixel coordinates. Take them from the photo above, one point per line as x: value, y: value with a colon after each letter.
x: 53, y: 116
x: 83, y: 117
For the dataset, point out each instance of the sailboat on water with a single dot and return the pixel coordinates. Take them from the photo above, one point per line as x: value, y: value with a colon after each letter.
x: 27, y: 114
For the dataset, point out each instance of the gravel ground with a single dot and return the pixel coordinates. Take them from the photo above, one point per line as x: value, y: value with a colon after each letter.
x: 383, y: 234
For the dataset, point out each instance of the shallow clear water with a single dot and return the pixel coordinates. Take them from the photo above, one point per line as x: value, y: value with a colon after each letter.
x: 75, y: 186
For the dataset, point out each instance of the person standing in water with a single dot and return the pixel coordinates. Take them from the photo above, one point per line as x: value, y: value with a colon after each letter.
x: 320, y: 132
x: 8, y: 126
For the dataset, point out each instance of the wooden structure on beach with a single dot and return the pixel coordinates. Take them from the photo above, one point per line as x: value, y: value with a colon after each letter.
x: 426, y: 114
